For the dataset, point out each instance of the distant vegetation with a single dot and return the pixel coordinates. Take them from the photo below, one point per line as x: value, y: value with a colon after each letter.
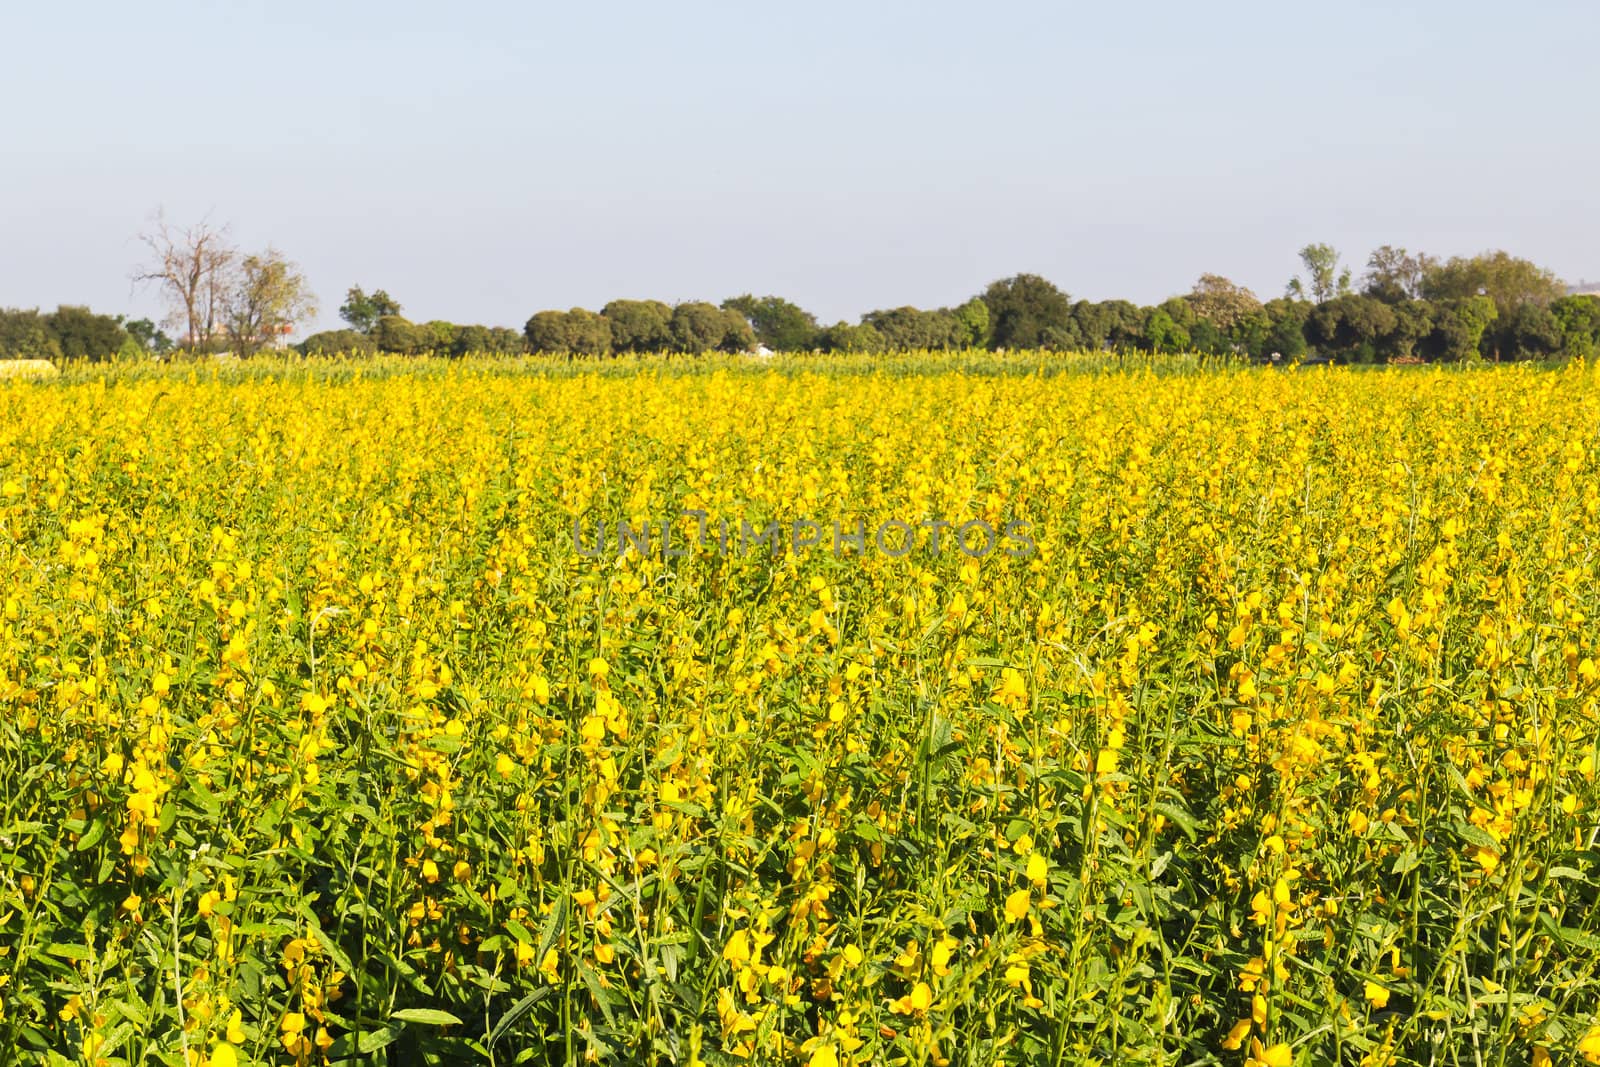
x: 1402, y: 308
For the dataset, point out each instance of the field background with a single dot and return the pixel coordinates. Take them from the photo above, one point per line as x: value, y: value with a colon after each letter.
x: 320, y: 742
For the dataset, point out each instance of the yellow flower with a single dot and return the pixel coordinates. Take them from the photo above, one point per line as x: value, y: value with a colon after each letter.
x: 1279, y: 1055
x: 921, y: 997
x: 224, y: 1056
x: 1377, y: 995
x: 737, y: 950
x: 1589, y: 1045
x: 824, y: 1056
x: 1017, y: 905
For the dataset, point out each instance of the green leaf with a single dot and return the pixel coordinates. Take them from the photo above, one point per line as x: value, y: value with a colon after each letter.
x: 97, y: 832
x: 515, y: 1013
x: 425, y: 1017
x: 70, y: 951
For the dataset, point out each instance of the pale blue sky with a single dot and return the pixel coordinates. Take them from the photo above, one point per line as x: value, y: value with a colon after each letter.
x: 484, y: 159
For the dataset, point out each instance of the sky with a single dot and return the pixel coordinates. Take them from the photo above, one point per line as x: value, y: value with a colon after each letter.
x: 485, y: 159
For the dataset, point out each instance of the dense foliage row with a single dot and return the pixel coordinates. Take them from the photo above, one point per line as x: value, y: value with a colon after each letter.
x: 76, y: 333
x: 1409, y: 309
x: 321, y: 740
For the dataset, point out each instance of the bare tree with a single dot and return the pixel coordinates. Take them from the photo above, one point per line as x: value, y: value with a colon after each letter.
x: 265, y: 296
x: 190, y: 265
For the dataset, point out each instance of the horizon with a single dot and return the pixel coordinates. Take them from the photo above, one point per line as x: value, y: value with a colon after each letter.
x: 512, y: 161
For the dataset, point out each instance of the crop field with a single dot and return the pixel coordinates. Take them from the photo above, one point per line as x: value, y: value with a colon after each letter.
x: 924, y: 710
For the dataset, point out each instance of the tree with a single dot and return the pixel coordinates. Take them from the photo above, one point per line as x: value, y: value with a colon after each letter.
x: 909, y: 328
x: 81, y: 334
x: 1502, y: 277
x: 843, y: 337
x: 1393, y: 275
x: 546, y: 332
x: 1125, y: 322
x: 739, y: 335
x: 338, y: 342
x: 1324, y: 279
x: 24, y: 335
x: 699, y: 327
x: 1162, y: 334
x: 1413, y: 322
x: 263, y: 300
x: 190, y: 266
x: 1531, y: 332
x: 1092, y: 323
x: 778, y: 324
x: 440, y: 336
x: 972, y: 324
x: 575, y: 332
x: 505, y: 340
x: 1281, y: 329
x: 469, y: 339
x: 639, y: 325
x: 1220, y: 302
x: 392, y: 333
x: 1027, y: 311
x: 1205, y: 337
x: 362, y: 312
x: 1579, y: 320
x: 1351, y: 326
x: 1286, y: 339
x: 1451, y: 340
x: 148, y: 337
x: 588, y: 333
x: 1475, y: 314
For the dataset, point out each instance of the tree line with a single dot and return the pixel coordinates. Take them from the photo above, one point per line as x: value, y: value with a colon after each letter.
x: 1402, y: 308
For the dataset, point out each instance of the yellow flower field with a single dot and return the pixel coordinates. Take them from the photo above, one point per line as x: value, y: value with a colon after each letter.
x: 329, y: 733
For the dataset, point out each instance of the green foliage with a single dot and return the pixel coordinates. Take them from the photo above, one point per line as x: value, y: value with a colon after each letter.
x: 586, y: 333
x: 1350, y: 327
x: 639, y: 325
x: 26, y: 335
x: 1394, y: 275
x: 1285, y: 338
x: 1579, y: 320
x: 468, y: 340
x: 362, y: 312
x: 973, y: 325
x: 698, y: 327
x: 394, y: 334
x: 148, y: 336
x: 1162, y: 334
x: 1413, y: 321
x: 338, y: 342
x: 777, y: 323
x: 441, y: 336
x: 912, y: 329
x: 1027, y: 311
x: 1532, y: 332
x: 1324, y: 279
x: 844, y: 337
x: 81, y: 334
x: 1505, y: 279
